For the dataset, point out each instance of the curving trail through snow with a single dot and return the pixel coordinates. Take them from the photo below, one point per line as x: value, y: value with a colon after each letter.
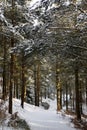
x: 40, y: 119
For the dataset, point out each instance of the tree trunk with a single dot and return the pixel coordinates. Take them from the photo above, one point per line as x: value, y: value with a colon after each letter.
x: 73, y: 100
x: 38, y: 83
x: 23, y: 82
x: 66, y: 96
x: 17, y: 90
x: 61, y: 98
x: 41, y: 95
x: 11, y: 78
x: 14, y: 89
x: 78, y: 112
x: 4, y: 69
x: 58, y: 88
x: 45, y: 92
x: 4, y: 82
x: 11, y: 64
x: 35, y: 85
x: 80, y: 96
x: 86, y: 91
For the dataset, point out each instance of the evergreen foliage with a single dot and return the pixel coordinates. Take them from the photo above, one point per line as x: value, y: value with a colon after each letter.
x: 49, y: 38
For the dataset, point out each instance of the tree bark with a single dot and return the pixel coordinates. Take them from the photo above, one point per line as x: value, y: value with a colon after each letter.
x: 60, y: 98
x: 4, y: 69
x: 38, y: 83
x: 86, y: 90
x: 78, y: 112
x: 80, y: 96
x: 11, y: 64
x: 35, y: 85
x: 11, y: 78
x: 58, y: 88
x: 73, y: 100
x: 23, y: 82
x: 66, y: 96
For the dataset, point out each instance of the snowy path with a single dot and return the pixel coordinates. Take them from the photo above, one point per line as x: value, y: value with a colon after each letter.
x: 39, y: 119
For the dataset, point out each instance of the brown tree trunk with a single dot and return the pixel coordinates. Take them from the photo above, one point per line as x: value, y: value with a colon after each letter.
x: 80, y: 96
x: 58, y: 88
x: 23, y: 82
x: 78, y: 112
x: 35, y: 85
x: 61, y: 98
x: 11, y: 64
x: 66, y: 96
x: 11, y: 78
x: 4, y: 69
x: 17, y: 90
x: 4, y: 82
x: 86, y: 90
x: 38, y: 83
x: 45, y: 92
x: 73, y: 100
x: 14, y: 89
x: 40, y: 95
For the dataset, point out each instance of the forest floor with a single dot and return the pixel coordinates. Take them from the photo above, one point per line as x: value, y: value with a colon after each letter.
x: 78, y: 124
x: 38, y: 118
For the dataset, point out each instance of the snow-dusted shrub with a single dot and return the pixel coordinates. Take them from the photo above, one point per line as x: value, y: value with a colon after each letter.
x: 3, y: 110
x: 45, y: 105
x: 16, y: 122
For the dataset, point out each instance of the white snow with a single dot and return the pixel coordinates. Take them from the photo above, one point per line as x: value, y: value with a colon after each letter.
x: 67, y: 2
x: 40, y: 119
x: 78, y: 2
x: 34, y: 4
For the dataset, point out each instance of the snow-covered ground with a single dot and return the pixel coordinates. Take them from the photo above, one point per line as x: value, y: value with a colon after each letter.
x: 40, y: 119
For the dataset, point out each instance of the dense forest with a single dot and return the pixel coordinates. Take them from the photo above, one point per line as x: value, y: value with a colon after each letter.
x: 43, y: 52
